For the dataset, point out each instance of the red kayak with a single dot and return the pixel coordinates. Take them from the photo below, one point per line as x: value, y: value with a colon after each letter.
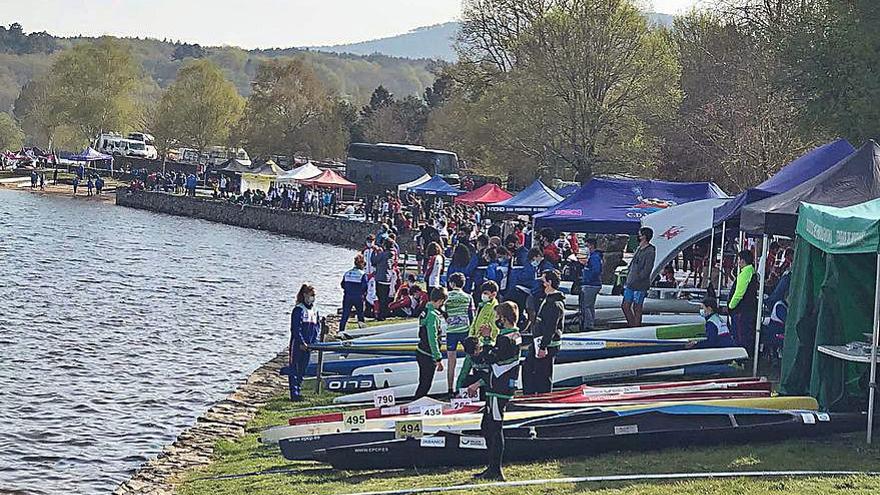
x: 583, y: 394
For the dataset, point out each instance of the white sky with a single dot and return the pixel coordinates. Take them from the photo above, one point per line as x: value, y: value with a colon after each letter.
x: 245, y: 23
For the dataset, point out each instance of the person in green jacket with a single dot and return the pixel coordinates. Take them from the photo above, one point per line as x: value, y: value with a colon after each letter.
x: 497, y: 376
x: 428, y: 354
x: 484, y: 327
x: 743, y: 304
x: 459, y: 316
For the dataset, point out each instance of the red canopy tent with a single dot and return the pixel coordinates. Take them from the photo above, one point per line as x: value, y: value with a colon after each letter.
x: 489, y: 193
x: 329, y: 179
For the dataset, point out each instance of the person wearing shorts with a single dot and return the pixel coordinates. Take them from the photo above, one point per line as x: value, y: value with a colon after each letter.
x: 638, y: 279
x: 460, y: 313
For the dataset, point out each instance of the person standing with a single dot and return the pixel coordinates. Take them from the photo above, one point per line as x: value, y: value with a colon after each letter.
x: 591, y: 284
x: 75, y: 184
x: 428, y: 354
x: 638, y: 279
x: 743, y: 304
x: 538, y: 367
x: 434, y: 264
x: 42, y: 182
x: 483, y: 327
x: 381, y: 260
x: 55, y: 176
x: 90, y: 184
x: 304, y: 331
x: 460, y: 313
x: 500, y: 363
x: 354, y: 288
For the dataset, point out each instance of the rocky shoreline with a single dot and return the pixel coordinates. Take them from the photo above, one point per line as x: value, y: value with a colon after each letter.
x: 225, y: 420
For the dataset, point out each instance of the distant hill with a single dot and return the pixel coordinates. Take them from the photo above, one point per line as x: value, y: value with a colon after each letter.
x: 433, y: 42
x: 354, y: 77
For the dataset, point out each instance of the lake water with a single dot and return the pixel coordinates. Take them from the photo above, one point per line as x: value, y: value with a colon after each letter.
x: 119, y: 327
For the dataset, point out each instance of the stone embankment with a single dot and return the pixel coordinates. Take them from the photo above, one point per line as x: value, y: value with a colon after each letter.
x: 225, y: 420
x: 330, y: 230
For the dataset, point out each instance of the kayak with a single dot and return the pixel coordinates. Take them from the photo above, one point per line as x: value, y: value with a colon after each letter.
x: 593, y: 432
x: 345, y: 365
x: 651, y: 305
x: 583, y: 372
x: 550, y: 396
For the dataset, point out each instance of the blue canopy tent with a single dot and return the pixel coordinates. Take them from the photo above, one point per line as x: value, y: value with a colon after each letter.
x: 616, y: 206
x: 435, y: 187
x: 533, y: 199
x: 806, y: 167
x: 90, y: 155
x: 568, y: 190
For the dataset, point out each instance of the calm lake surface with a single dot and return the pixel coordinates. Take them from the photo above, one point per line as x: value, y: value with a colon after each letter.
x: 119, y: 327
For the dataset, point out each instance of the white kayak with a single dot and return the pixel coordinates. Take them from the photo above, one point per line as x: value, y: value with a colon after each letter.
x: 615, y: 316
x: 633, y: 365
x: 652, y: 305
x: 587, y: 370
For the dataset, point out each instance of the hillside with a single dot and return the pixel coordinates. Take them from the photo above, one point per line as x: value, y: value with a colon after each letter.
x: 433, y: 42
x: 351, y: 76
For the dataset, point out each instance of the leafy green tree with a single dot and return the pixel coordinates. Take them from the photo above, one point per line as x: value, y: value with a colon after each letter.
x: 11, y: 135
x: 199, y: 109
x: 93, y: 87
x: 33, y: 108
x: 286, y: 99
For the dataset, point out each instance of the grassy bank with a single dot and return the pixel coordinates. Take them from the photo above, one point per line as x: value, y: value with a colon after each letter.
x: 244, y: 466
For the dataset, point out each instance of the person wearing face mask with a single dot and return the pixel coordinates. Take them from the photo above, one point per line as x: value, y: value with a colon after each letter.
x: 525, y: 279
x: 743, y: 304
x: 538, y: 367
x: 591, y: 284
x: 497, y: 376
x: 638, y: 278
x: 717, y: 331
x: 428, y: 354
x: 304, y: 331
x: 484, y: 326
x: 519, y: 255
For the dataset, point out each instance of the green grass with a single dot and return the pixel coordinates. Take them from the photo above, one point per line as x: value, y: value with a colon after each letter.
x: 266, y: 472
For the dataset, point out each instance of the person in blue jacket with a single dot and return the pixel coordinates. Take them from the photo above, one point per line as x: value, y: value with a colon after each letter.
x: 477, y: 267
x: 591, y: 284
x: 525, y: 281
x: 304, y: 330
x: 354, y: 289
x: 717, y: 332
x: 461, y: 258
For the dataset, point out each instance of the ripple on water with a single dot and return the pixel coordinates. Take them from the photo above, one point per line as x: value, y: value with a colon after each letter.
x: 128, y: 329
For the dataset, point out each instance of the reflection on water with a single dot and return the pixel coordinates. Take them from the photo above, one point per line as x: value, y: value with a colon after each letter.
x: 119, y: 327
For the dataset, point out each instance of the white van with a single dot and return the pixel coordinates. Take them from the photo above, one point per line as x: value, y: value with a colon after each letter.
x: 217, y: 155
x: 149, y: 143
x: 114, y: 144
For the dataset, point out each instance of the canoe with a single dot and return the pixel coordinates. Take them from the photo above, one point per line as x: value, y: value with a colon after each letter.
x: 584, y: 372
x: 594, y: 433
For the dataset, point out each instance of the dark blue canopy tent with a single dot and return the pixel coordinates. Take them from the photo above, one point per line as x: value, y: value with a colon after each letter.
x: 533, y: 199
x: 616, y: 206
x: 568, y: 190
x: 800, y: 170
x: 435, y: 187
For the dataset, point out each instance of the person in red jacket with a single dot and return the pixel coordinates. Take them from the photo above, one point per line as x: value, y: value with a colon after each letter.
x: 551, y: 251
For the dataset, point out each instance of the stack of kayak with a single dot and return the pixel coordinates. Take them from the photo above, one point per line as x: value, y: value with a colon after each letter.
x: 663, y: 411
x: 592, y: 431
x: 583, y: 358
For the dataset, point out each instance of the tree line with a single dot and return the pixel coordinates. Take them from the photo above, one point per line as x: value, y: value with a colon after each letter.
x: 542, y: 88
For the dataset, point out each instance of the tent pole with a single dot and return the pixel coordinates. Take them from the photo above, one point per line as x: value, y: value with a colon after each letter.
x: 721, y: 259
x: 762, y: 270
x: 874, y: 343
x: 711, y: 257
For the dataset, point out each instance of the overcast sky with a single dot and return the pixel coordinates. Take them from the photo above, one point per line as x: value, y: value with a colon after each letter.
x: 245, y: 23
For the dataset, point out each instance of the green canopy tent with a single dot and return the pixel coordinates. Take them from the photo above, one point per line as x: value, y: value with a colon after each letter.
x: 837, y: 264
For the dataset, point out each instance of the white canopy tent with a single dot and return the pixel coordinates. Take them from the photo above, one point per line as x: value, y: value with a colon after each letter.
x: 304, y: 172
x: 421, y: 180
x: 678, y: 227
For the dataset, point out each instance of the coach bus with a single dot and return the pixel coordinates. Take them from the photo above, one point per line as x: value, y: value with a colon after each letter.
x: 377, y: 167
